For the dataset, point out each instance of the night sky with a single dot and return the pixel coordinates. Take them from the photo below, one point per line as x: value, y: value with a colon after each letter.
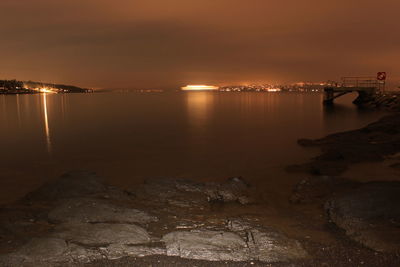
x: 169, y: 43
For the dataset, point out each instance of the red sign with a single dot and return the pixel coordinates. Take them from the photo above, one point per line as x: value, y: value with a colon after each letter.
x: 381, y: 76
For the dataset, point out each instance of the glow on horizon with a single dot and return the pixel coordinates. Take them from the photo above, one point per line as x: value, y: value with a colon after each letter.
x: 199, y: 87
x: 46, y: 90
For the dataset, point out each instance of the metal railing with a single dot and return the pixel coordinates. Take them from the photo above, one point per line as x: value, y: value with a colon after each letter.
x: 365, y: 82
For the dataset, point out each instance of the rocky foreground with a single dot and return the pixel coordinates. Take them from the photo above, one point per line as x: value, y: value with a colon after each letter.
x: 78, y: 219
x: 368, y: 213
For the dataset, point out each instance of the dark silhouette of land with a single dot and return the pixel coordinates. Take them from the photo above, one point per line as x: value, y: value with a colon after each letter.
x: 31, y: 87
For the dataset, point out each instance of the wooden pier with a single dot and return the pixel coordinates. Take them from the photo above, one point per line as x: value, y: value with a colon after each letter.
x: 364, y: 86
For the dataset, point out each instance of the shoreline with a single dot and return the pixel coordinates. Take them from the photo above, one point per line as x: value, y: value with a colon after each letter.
x: 373, y: 143
x: 309, y: 220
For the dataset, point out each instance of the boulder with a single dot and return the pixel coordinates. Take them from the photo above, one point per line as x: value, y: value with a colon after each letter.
x: 207, y: 245
x: 370, y: 214
x: 267, y: 244
x: 241, y: 241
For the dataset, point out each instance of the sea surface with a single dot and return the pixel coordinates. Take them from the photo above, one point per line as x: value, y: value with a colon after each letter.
x: 127, y: 137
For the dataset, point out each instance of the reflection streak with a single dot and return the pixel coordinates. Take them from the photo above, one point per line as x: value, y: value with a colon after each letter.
x: 18, y: 111
x: 46, y: 123
x: 199, y: 106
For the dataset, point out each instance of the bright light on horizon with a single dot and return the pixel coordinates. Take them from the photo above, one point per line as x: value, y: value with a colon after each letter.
x: 199, y: 87
x: 46, y: 90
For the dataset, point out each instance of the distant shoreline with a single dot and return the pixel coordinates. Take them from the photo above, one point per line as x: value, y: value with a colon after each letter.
x: 12, y: 87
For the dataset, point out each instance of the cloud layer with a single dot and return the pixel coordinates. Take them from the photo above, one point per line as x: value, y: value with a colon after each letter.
x: 167, y: 43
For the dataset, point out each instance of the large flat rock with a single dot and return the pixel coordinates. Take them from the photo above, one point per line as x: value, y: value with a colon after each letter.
x: 207, y: 245
x: 267, y: 244
x: 370, y: 215
x: 244, y: 242
x: 50, y: 251
x: 43, y: 249
x: 90, y: 210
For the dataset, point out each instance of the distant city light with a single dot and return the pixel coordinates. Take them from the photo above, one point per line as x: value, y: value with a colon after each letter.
x: 46, y: 90
x: 199, y: 87
x: 274, y: 90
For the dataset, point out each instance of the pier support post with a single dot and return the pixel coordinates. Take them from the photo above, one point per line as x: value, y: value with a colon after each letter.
x: 328, y: 96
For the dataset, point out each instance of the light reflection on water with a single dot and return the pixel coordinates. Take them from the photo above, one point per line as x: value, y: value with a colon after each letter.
x: 199, y: 108
x: 46, y: 124
x: 129, y: 136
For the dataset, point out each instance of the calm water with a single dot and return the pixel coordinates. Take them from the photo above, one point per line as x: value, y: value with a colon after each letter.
x: 127, y: 137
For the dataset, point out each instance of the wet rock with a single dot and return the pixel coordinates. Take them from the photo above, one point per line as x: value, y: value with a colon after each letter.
x: 44, y: 249
x: 370, y: 215
x: 95, y: 227
x: 101, y: 234
x: 69, y: 185
x: 206, y: 245
x: 84, y: 254
x: 174, y: 192
x: 242, y: 241
x: 50, y: 251
x: 92, y: 210
x: 239, y: 225
x: 38, y: 250
x: 234, y: 189
x: 267, y: 244
x: 116, y: 251
x: 319, y: 188
x: 274, y: 247
x: 114, y: 193
x: 190, y: 194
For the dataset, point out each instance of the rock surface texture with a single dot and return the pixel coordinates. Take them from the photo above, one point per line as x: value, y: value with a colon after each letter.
x: 370, y: 215
x: 235, y: 244
x: 186, y: 193
x: 88, y: 221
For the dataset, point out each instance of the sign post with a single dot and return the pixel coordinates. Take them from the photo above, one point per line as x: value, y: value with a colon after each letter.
x: 381, y: 77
